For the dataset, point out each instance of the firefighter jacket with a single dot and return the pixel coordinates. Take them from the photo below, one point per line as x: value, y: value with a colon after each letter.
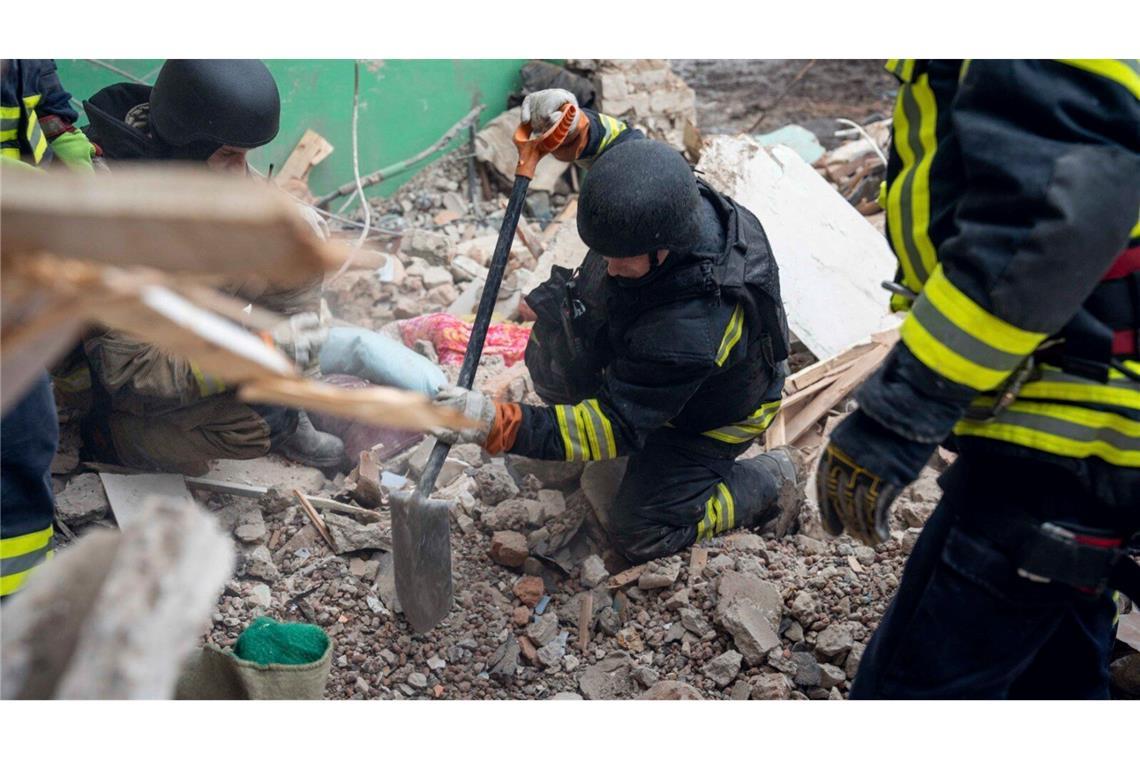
x: 1012, y: 195
x: 36, y: 117
x: 696, y: 346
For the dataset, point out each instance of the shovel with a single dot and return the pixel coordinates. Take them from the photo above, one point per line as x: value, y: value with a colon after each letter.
x: 421, y: 541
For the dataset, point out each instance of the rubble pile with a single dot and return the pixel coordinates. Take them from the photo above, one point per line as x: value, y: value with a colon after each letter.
x: 647, y: 94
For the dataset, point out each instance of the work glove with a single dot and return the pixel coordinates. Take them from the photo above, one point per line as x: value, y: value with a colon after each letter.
x: 542, y: 110
x: 473, y: 405
x: 301, y: 337
x: 74, y: 150
x: 861, y: 472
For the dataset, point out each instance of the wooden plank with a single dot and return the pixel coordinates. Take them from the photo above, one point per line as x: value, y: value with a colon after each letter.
x: 823, y: 403
x: 626, y: 577
x: 173, y: 219
x: 314, y: 518
x: 697, y: 561
x: 831, y: 259
x: 585, y: 620
x: 223, y: 486
x: 310, y: 150
x: 387, y: 407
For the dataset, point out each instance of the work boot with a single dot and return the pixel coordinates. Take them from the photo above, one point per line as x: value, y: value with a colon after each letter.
x: 778, y: 514
x: 311, y: 447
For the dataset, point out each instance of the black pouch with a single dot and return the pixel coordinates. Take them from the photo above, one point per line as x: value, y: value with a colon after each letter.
x: 566, y: 351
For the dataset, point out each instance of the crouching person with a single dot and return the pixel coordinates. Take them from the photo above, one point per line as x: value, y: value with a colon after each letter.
x: 667, y: 346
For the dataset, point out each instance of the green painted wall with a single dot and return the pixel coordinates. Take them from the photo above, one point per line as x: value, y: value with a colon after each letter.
x: 405, y: 105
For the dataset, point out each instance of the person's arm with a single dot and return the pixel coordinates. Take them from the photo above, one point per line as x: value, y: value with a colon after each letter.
x: 1051, y: 157
x: 1051, y: 154
x: 57, y: 120
x: 643, y: 390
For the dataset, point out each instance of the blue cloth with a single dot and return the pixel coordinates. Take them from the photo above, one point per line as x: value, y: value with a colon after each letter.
x: 29, y: 435
x: 964, y: 625
x: 379, y: 360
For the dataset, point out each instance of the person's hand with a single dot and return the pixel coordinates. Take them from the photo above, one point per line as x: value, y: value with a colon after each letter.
x: 301, y: 337
x: 861, y: 472
x: 543, y: 109
x: 474, y: 406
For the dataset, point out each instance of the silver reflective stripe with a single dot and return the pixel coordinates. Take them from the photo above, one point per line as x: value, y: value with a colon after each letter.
x: 1069, y: 430
x: 24, y: 562
x: 960, y: 342
x: 906, y: 201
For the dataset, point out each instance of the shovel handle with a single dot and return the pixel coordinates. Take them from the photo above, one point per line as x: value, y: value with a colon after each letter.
x: 532, y: 148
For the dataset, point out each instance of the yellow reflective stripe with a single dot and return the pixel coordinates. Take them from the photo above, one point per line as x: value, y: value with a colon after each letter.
x: 908, y: 195
x: 1135, y: 233
x: 903, y: 68
x: 1068, y: 431
x: 731, y: 336
x: 10, y: 112
x: 37, y: 140
x: 603, y: 431
x: 9, y: 134
x: 965, y: 68
x: 960, y: 340
x: 974, y: 320
x: 14, y: 582
x: 720, y: 513
x: 571, y: 436
x: 728, y: 513
x: 29, y: 542
x: 1125, y: 72
x: 612, y: 127
x: 1061, y: 386
x: 582, y: 415
x: 207, y: 385
x: 747, y: 429
x: 10, y: 152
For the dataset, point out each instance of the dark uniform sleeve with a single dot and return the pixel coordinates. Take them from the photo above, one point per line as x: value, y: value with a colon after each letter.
x: 54, y: 100
x: 1051, y: 154
x: 668, y: 355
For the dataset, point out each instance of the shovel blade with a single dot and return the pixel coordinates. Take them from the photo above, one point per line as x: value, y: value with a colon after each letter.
x: 421, y: 554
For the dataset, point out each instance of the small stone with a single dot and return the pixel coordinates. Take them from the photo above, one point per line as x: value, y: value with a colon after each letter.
x: 250, y: 528
x: 594, y: 571
x: 678, y: 600
x: 570, y: 662
x: 834, y: 640
x: 630, y: 640
x: 563, y: 695
x: 646, y: 676
x: 808, y: 673
x: 430, y: 247
x: 528, y: 649
x: 660, y: 573
x: 528, y: 590
x: 508, y: 548
x: 748, y: 542
x: 510, y: 514
x: 521, y: 616
x: 723, y: 668
x: 854, y: 657
x: 259, y: 596
x: 751, y: 631
x: 810, y: 546
x: 831, y: 675
x: 82, y: 501
x: 741, y: 691
x: 771, y: 686
x: 675, y: 633
x: 505, y: 662
x: 436, y: 663
x: 804, y: 607
x: 259, y: 564
x: 1125, y: 674
x: 909, y: 539
x: 495, y: 484
x: 349, y: 536
x: 608, y: 679
x: 533, y: 566
x: 694, y: 622
x: 794, y: 632
x: 417, y: 681
x: 663, y: 690
x: 543, y: 630
x: 553, y: 651
x: 552, y: 504
x: 609, y: 621
x: 765, y: 595
x: 433, y: 277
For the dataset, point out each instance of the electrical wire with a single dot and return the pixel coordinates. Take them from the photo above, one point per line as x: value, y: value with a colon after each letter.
x: 868, y: 137
x: 356, y: 170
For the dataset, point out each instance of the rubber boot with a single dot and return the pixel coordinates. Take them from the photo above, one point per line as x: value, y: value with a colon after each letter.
x: 311, y: 447
x: 777, y: 510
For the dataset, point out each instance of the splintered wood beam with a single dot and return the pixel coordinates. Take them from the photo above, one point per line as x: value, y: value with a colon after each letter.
x: 387, y: 407
x: 173, y: 219
x: 310, y: 151
x: 836, y: 392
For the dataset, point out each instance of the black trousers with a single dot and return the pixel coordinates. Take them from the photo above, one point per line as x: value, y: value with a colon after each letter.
x: 29, y: 435
x: 677, y: 490
x: 965, y: 625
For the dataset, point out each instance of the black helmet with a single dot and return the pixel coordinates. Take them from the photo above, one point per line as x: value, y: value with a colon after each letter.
x: 638, y: 197
x: 211, y: 103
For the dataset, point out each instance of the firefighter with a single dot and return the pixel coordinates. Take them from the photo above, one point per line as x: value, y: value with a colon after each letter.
x: 36, y: 129
x: 154, y: 411
x: 672, y: 347
x: 1012, y: 194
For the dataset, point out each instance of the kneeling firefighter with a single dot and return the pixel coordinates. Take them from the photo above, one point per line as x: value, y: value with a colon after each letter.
x: 152, y: 410
x: 668, y: 345
x: 1012, y: 195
